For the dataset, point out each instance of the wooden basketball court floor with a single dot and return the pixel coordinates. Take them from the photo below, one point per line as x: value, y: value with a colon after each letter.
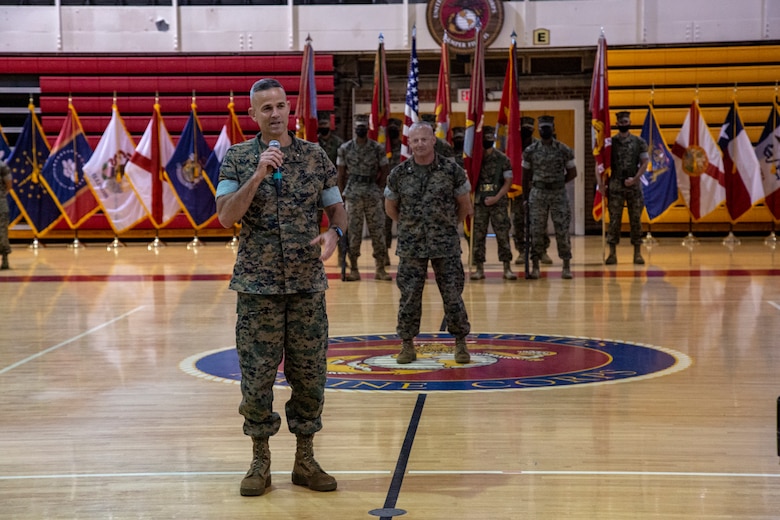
x: 98, y: 420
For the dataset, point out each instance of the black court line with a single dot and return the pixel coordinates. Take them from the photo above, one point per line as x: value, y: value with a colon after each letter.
x: 400, y: 467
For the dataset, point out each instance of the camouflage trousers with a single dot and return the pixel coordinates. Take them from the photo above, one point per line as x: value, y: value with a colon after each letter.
x: 369, y: 207
x: 5, y: 245
x: 450, y: 278
x: 630, y: 196
x: 517, y: 215
x: 497, y: 216
x: 273, y: 328
x: 554, y: 203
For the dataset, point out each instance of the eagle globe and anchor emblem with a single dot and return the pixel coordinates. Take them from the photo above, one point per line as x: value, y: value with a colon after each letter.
x: 455, y: 21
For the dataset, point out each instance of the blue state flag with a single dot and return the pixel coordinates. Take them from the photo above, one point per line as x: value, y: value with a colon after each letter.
x: 187, y: 176
x: 32, y: 199
x: 63, y: 172
x: 659, y: 183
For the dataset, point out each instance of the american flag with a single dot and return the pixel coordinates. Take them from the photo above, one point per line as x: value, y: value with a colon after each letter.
x: 412, y: 109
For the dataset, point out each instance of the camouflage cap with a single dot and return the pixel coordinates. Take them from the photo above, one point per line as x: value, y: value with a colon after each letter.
x: 489, y: 132
x: 394, y: 121
x: 458, y: 131
x: 428, y: 118
x: 527, y: 121
x: 361, y: 120
x: 546, y: 121
x: 323, y: 120
x: 623, y: 114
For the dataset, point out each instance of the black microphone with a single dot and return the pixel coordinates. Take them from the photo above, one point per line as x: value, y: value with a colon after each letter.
x: 277, y: 176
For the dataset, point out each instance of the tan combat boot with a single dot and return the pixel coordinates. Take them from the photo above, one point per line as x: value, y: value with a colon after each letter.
x: 534, y: 274
x: 407, y: 354
x: 354, y: 274
x: 612, y: 258
x: 638, y: 255
x: 566, y: 273
x: 258, y: 478
x: 306, y: 471
x: 546, y: 260
x: 508, y: 274
x: 461, y: 352
x: 479, y: 274
x: 381, y: 274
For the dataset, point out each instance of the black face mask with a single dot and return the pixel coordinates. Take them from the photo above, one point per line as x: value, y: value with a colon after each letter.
x: 323, y: 131
x: 487, y: 144
x: 393, y: 132
x: 623, y: 128
x: 361, y: 131
x: 526, y: 133
x: 546, y: 132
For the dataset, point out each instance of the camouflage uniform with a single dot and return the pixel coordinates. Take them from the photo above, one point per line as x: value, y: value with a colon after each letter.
x: 280, y: 282
x: 331, y: 145
x: 363, y: 195
x: 548, y: 165
x: 395, y: 160
x: 5, y: 245
x: 627, y: 155
x: 428, y: 230
x: 494, y: 170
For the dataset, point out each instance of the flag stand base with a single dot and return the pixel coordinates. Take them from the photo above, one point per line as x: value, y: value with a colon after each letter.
x: 115, y: 244
x: 771, y: 240
x: 233, y: 242
x: 650, y: 241
x: 690, y: 241
x: 731, y: 241
x: 155, y: 244
x: 195, y: 243
x: 36, y: 244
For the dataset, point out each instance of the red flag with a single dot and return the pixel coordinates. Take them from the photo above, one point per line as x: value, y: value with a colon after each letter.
x: 508, y: 138
x: 380, y: 103
x: 412, y: 108
x: 601, y: 132
x: 306, y: 106
x: 472, y: 141
x: 443, y: 100
x: 699, y: 165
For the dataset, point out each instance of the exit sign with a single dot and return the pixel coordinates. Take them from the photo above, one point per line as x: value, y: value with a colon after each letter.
x: 464, y: 94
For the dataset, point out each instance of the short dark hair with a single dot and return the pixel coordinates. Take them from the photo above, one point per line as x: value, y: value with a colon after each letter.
x: 264, y: 84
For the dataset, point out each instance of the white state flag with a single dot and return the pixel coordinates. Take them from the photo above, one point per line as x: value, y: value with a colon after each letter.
x: 768, y: 153
x: 145, y: 172
x: 699, y: 166
x: 105, y: 176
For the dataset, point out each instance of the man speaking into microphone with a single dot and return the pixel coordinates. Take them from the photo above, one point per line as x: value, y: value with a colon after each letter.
x: 274, y: 185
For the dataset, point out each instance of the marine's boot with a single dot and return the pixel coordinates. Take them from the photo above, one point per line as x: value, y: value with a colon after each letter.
x: 566, y: 272
x: 612, y: 258
x: 5, y: 263
x: 461, y: 352
x: 407, y: 354
x: 534, y: 274
x: 387, y: 259
x: 508, y: 274
x: 479, y: 274
x: 638, y: 255
x: 354, y: 274
x: 520, y: 260
x: 546, y: 260
x: 381, y: 274
x: 258, y: 478
x: 306, y: 471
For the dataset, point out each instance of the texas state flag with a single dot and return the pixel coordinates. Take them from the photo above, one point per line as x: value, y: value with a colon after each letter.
x: 740, y: 165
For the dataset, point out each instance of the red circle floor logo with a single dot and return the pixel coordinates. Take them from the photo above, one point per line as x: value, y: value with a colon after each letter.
x: 498, y: 362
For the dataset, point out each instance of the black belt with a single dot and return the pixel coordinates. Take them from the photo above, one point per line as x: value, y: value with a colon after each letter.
x: 540, y: 185
x: 361, y: 179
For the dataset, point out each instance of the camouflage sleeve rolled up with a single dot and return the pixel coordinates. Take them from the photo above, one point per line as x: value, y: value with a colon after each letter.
x: 274, y: 254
